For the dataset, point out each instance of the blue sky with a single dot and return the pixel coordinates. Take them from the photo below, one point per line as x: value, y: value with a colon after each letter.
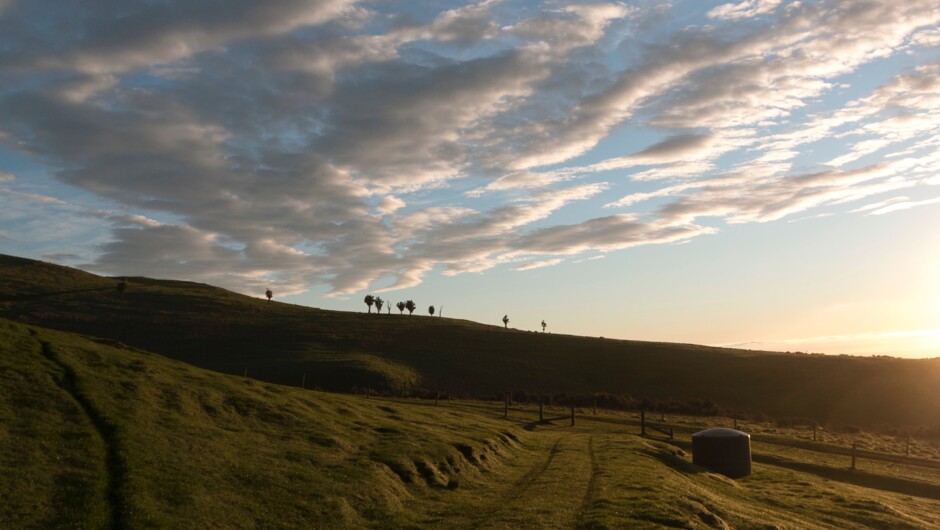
x: 760, y: 173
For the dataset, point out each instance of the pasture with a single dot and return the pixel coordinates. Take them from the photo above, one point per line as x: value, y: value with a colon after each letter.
x: 102, y: 435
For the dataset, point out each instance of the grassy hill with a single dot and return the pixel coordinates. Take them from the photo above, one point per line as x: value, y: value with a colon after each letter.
x: 288, y: 344
x: 98, y: 435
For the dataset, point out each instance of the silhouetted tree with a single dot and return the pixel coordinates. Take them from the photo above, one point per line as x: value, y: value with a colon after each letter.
x: 543, y: 326
x: 506, y: 321
x: 378, y: 304
x: 369, y: 300
x: 431, y: 310
x: 270, y: 294
x: 410, y: 306
x: 401, y: 307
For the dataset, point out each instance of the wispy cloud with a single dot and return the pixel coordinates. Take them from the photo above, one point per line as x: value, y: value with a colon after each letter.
x: 746, y: 9
x: 31, y: 197
x: 538, y: 264
x: 903, y: 205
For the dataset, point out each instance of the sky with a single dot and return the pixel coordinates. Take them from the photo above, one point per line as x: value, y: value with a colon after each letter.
x: 761, y: 174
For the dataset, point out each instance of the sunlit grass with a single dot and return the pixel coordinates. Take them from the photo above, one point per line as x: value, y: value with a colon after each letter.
x: 193, y: 448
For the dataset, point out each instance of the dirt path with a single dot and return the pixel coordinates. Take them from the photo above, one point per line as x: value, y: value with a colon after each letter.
x: 114, y: 467
x: 553, y: 487
x: 584, y: 515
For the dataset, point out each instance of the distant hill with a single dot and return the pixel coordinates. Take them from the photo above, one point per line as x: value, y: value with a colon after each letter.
x: 289, y: 344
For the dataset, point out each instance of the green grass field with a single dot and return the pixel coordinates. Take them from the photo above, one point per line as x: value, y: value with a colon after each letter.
x: 97, y: 435
x: 349, y: 352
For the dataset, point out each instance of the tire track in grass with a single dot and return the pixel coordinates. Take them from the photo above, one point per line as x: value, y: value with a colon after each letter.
x: 114, y: 467
x: 519, y: 487
x: 528, y: 479
x: 584, y: 520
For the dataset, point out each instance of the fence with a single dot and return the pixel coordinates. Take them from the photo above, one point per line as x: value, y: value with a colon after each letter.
x: 854, y: 453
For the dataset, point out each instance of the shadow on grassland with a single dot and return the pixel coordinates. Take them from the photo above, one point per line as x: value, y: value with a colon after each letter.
x: 859, y: 478
x: 904, y: 486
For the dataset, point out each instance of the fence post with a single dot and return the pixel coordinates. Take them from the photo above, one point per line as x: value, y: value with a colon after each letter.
x: 595, y: 406
x: 670, y: 433
x: 853, y: 454
x: 506, y: 407
x: 541, y: 418
x: 735, y: 424
x: 642, y: 422
x: 437, y: 397
x: 245, y: 375
x: 303, y: 381
x: 572, y: 413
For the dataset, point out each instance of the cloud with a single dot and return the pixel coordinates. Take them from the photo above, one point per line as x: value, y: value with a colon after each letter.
x: 466, y: 240
x: 406, y: 131
x: 301, y: 142
x: 464, y: 24
x: 679, y: 170
x: 881, y: 204
x: 83, y: 86
x: 573, y: 26
x: 390, y: 204
x: 521, y: 180
x: 756, y: 197
x: 141, y: 34
x: 538, y: 264
x: 763, y: 200
x: 134, y: 221
x: 746, y: 9
x: 31, y: 197
x: 182, y: 252
x: 928, y: 37
x: 905, y: 205
x: 670, y: 191
x: 674, y: 149
x: 614, y: 232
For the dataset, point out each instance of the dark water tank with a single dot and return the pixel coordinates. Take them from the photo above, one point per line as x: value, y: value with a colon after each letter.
x: 724, y: 451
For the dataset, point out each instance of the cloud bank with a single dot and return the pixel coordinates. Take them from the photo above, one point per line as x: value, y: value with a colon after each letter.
x: 361, y: 145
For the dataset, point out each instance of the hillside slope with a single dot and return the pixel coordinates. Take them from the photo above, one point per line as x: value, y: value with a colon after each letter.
x: 103, y: 436
x: 99, y: 436
x: 288, y: 344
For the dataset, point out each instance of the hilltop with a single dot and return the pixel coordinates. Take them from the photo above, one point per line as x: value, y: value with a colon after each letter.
x: 288, y: 344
